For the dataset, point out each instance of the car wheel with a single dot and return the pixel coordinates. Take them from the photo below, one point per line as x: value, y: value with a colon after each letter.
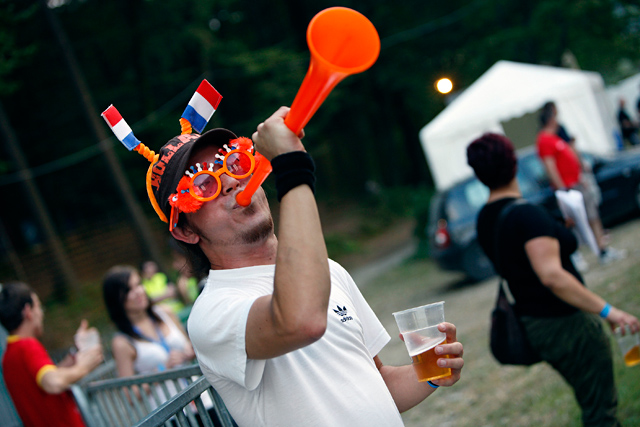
x: 476, y: 264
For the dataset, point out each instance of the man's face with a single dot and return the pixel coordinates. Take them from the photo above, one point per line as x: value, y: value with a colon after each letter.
x: 37, y: 315
x: 222, y: 221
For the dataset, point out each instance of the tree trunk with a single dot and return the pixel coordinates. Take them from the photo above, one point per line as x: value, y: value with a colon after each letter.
x: 149, y: 245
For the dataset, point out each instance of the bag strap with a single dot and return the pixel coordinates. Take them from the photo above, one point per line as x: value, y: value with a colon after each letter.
x: 496, y: 244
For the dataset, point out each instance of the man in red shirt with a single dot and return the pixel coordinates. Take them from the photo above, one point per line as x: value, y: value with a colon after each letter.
x: 39, y: 388
x: 564, y: 168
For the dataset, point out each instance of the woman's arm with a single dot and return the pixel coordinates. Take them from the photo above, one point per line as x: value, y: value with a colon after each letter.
x: 124, y: 354
x: 544, y: 255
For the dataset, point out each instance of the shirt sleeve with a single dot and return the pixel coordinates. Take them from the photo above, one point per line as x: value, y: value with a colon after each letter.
x: 375, y: 335
x: 546, y: 145
x: 219, y: 341
x: 37, y: 360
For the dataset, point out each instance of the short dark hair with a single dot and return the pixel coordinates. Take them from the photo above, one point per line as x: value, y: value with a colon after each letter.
x: 115, y: 288
x: 13, y: 298
x: 198, y: 261
x: 547, y: 112
x: 493, y: 159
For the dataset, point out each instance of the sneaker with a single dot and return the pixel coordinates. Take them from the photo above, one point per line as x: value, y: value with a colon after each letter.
x: 579, y: 262
x: 612, y: 254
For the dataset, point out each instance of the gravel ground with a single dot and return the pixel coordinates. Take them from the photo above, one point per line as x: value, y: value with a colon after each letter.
x: 486, y: 388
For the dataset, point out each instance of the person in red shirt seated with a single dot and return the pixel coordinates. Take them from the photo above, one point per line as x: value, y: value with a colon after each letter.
x: 39, y: 388
x: 564, y: 168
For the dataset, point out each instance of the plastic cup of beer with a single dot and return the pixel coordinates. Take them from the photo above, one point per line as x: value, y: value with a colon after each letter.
x: 87, y: 339
x: 629, y: 345
x: 419, y: 329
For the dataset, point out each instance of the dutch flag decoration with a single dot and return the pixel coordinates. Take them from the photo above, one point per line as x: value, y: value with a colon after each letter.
x: 202, y: 105
x: 120, y: 128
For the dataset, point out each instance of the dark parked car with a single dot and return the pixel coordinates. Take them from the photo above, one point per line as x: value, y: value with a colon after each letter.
x: 451, y: 229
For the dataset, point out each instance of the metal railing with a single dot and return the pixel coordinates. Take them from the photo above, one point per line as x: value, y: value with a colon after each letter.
x: 176, y: 408
x: 180, y: 396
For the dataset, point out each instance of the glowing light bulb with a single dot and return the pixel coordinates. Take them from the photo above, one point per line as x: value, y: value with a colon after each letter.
x: 444, y: 85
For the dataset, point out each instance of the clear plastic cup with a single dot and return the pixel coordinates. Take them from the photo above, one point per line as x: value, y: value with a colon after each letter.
x: 87, y: 339
x: 629, y: 345
x: 419, y: 329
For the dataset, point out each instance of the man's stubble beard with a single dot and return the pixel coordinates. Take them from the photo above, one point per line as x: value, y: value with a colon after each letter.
x: 260, y: 232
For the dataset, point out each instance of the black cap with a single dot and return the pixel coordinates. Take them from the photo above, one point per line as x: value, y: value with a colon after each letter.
x: 167, y: 172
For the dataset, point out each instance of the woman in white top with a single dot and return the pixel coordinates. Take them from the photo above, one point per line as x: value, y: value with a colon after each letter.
x: 151, y: 338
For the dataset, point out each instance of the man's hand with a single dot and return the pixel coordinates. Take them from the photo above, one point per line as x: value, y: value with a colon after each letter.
x: 273, y: 137
x: 454, y: 350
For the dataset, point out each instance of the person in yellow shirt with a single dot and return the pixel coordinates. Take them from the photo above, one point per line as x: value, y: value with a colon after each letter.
x: 158, y: 287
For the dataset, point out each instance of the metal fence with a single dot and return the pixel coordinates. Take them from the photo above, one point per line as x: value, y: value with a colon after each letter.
x: 177, y: 397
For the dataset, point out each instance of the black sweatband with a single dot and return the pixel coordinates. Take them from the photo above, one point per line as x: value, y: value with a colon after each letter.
x: 293, y: 169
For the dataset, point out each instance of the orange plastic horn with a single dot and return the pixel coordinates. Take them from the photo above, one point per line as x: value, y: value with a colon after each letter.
x: 342, y: 42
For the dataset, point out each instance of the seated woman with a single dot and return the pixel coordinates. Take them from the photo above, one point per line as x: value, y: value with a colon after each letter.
x: 559, y: 314
x: 150, y: 338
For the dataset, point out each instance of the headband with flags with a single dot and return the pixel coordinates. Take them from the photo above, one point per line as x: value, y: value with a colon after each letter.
x: 197, y: 114
x: 202, y: 105
x: 120, y: 128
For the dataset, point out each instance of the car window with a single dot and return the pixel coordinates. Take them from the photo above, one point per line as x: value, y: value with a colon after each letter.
x: 531, y: 174
x: 466, y: 199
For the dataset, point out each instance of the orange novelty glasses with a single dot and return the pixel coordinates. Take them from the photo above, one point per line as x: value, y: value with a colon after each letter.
x: 204, y: 183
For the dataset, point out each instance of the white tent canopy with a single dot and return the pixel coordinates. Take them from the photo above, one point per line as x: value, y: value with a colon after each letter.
x: 509, y: 91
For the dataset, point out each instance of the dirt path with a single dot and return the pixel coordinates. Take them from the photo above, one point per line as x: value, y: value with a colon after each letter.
x: 486, y: 388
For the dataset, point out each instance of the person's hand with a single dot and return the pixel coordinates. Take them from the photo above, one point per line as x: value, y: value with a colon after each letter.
x: 84, y: 326
x: 176, y: 358
x: 90, y: 358
x: 273, y: 137
x: 454, y: 350
x: 617, y: 317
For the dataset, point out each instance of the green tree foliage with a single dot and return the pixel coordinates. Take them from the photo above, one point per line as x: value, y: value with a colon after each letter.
x: 148, y: 56
x: 13, y: 53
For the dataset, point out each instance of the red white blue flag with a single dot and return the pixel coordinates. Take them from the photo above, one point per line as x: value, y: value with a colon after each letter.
x: 202, y: 105
x: 120, y: 128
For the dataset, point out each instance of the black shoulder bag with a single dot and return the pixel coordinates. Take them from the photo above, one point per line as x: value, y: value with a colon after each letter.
x: 508, y: 339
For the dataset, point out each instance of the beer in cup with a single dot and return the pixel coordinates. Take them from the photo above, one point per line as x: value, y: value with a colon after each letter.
x: 419, y: 329
x: 629, y: 345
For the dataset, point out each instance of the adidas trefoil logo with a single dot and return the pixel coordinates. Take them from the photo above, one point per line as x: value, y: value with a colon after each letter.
x: 342, y: 311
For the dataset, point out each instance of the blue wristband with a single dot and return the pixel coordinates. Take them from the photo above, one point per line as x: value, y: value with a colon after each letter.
x: 605, y: 310
x: 432, y: 384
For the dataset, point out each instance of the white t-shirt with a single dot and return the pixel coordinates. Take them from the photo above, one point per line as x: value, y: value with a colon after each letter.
x: 333, y: 381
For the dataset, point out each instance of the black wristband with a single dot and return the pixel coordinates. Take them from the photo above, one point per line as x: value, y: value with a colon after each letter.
x: 293, y: 169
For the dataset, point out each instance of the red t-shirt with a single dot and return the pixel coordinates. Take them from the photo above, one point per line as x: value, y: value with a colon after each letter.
x: 24, y: 364
x: 568, y: 164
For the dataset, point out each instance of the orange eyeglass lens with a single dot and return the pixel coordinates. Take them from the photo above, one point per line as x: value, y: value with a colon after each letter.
x: 205, y: 185
x: 239, y: 164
